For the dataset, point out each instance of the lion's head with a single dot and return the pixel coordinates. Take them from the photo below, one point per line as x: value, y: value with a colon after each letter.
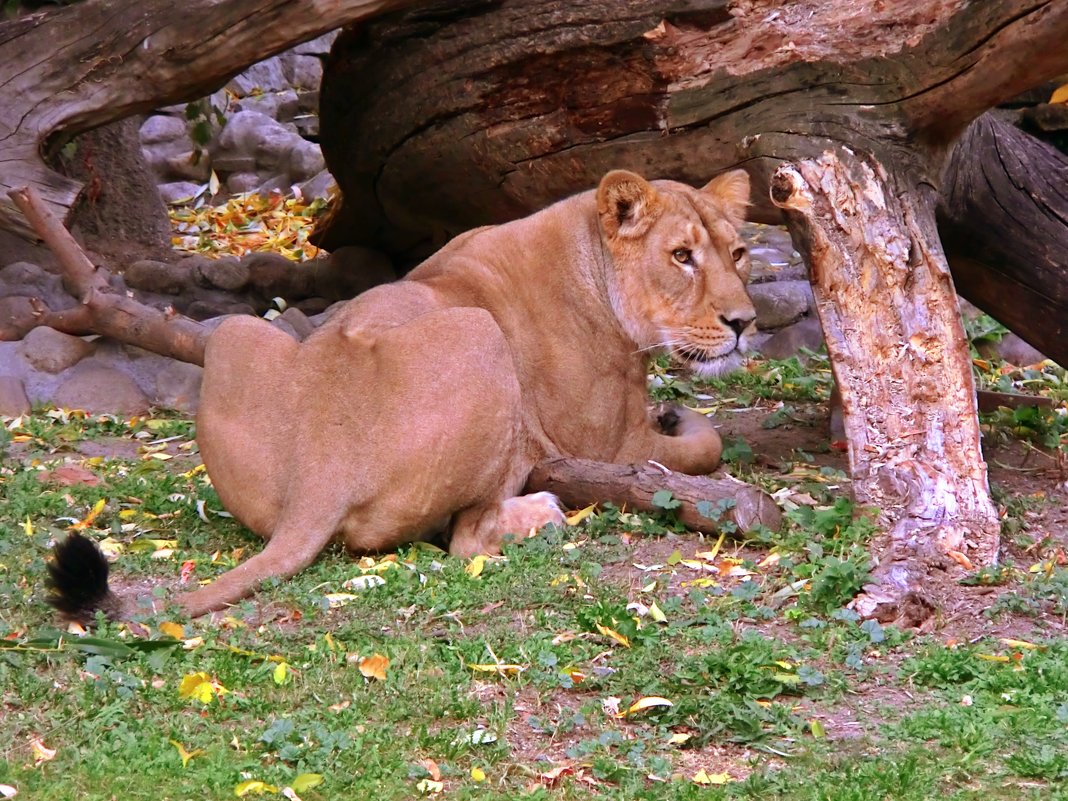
x: 680, y: 266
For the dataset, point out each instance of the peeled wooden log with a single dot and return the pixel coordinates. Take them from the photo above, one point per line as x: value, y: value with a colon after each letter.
x: 580, y: 482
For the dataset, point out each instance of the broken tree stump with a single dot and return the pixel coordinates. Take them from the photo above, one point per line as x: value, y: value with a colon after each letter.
x: 901, y: 361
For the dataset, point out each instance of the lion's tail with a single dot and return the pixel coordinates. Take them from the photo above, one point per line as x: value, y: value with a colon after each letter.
x: 78, y: 581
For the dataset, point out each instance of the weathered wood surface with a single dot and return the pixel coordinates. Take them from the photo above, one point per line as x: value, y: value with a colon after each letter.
x: 901, y: 362
x: 527, y: 101
x: 69, y: 70
x: 580, y: 482
x: 1003, y: 218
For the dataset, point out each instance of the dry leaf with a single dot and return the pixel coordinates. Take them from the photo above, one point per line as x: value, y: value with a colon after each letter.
x: 577, y: 517
x: 254, y: 786
x: 703, y: 778
x: 374, y: 666
x: 201, y: 687
x: 614, y: 635
x: 498, y: 668
x: 41, y: 752
x: 432, y: 768
x: 476, y: 565
x: 186, y: 755
x: 477, y: 774
x: 647, y: 702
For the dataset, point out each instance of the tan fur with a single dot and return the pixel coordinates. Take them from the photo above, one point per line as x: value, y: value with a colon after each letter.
x: 423, y: 404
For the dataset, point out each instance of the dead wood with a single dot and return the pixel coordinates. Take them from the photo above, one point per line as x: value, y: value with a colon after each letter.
x: 69, y: 70
x: 580, y: 482
x: 101, y: 310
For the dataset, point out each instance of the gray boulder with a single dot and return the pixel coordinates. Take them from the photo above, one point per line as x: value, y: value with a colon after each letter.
x: 53, y: 351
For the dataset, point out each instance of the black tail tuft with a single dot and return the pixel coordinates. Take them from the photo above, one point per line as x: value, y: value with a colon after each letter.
x: 78, y: 580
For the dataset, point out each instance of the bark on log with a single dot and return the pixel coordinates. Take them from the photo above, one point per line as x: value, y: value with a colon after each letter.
x: 580, y: 482
x: 901, y: 362
x: 102, y: 311
x: 1003, y: 217
x: 69, y: 70
x: 531, y: 100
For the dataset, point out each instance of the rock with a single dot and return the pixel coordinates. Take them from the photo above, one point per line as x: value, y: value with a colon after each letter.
x: 352, y: 270
x: 241, y: 182
x: 228, y: 274
x: 163, y: 128
x: 23, y: 277
x: 266, y: 76
x: 275, y: 275
x: 17, y: 311
x: 298, y: 321
x: 205, y: 309
x: 780, y: 303
x: 321, y: 185
x: 188, y: 166
x: 805, y: 333
x: 249, y: 133
x: 305, y: 160
x: 178, y: 387
x: 13, y: 400
x: 283, y: 325
x: 282, y: 105
x: 158, y: 276
x: 313, y: 307
x: 53, y: 351
x: 100, y: 390
x: 179, y: 191
x: 302, y: 71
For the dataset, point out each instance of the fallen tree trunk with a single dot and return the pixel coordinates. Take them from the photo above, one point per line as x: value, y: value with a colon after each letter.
x: 580, y: 482
x: 1003, y: 217
x: 69, y: 70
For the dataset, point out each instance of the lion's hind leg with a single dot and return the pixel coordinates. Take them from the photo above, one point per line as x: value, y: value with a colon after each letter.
x: 483, y: 529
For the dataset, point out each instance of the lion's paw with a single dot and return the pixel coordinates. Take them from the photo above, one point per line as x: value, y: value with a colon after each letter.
x: 525, y: 514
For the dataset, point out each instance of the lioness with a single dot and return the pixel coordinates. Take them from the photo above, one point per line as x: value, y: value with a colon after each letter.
x: 423, y: 404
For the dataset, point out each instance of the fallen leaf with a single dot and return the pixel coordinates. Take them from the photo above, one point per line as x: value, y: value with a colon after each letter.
x: 27, y: 526
x: 1027, y: 646
x: 336, y: 599
x: 647, y: 702
x: 254, y: 786
x: 374, y: 666
x: 703, y: 778
x: 7, y: 791
x: 475, y: 566
x: 551, y: 777
x: 499, y: 668
x: 201, y: 687
x: 364, y: 582
x: 477, y: 774
x: 281, y: 673
x: 577, y: 517
x: 41, y: 752
x: 306, y: 781
x: 69, y: 475
x: 961, y: 559
x: 817, y: 728
x: 88, y: 520
x: 184, y: 754
x: 679, y: 738
x: 613, y: 634
x: 1060, y: 95
x: 430, y: 787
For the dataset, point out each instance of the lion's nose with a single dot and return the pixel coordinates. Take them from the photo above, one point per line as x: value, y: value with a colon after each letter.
x: 737, y: 324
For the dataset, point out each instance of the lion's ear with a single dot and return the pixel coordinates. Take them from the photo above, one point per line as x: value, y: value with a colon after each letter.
x: 731, y: 189
x: 626, y: 204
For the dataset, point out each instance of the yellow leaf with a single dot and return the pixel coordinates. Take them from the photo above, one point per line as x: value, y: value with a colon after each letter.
x: 993, y: 657
x: 254, y: 786
x: 306, y: 781
x: 647, y: 702
x: 281, y: 673
x: 186, y: 755
x: 1027, y: 646
x: 430, y: 787
x: 27, y: 526
x: 656, y: 613
x: 577, y: 517
x: 704, y: 778
x: 94, y: 513
x: 499, y: 668
x: 1060, y: 94
x: 336, y: 599
x: 679, y: 738
x: 613, y: 634
x: 478, y: 775
x: 200, y: 687
x: 475, y: 566
x: 175, y: 630
x: 374, y: 666
x: 818, y: 730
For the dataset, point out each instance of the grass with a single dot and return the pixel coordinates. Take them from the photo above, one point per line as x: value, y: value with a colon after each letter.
x: 618, y: 659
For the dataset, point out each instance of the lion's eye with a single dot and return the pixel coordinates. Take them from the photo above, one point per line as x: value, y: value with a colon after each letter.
x: 683, y: 256
x: 737, y: 254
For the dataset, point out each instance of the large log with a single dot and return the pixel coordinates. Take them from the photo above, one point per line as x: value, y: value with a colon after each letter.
x: 1003, y: 218
x: 70, y: 70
